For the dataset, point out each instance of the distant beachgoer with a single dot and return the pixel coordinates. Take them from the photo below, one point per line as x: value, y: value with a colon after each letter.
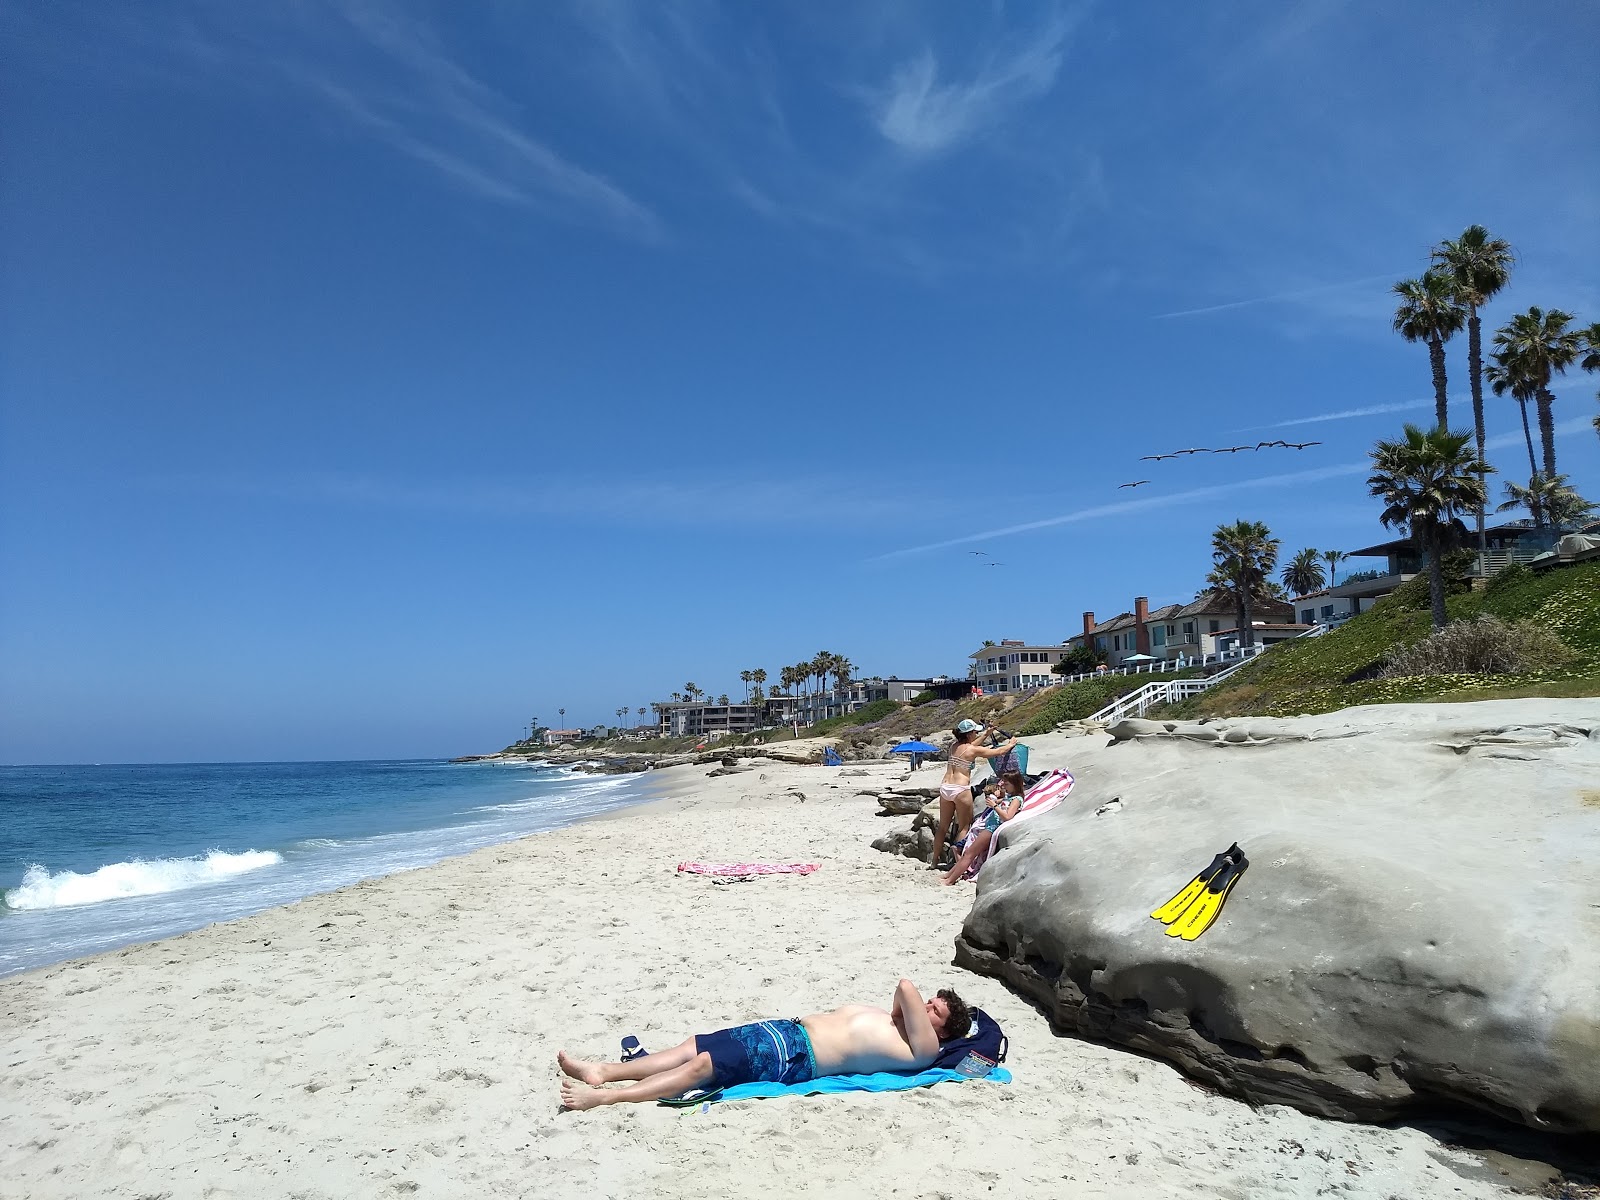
x: 955, y: 792
x: 857, y: 1039
x: 1005, y: 803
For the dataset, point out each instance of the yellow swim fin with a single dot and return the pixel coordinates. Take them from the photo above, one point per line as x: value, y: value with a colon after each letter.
x: 1174, y: 908
x: 1200, y: 914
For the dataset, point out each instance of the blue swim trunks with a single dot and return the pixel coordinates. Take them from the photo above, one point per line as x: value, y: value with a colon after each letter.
x: 766, y: 1052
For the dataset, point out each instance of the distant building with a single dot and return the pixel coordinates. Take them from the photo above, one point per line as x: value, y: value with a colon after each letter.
x: 1013, y: 666
x: 1172, y: 632
x: 1323, y: 608
x: 554, y: 737
x: 698, y: 718
x: 1513, y: 541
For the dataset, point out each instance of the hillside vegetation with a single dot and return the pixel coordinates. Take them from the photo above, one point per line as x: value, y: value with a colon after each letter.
x: 1339, y: 669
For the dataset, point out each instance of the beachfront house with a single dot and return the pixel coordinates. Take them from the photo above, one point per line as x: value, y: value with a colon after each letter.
x: 1013, y: 666
x: 1323, y: 608
x: 854, y: 694
x: 1512, y: 541
x: 1174, y: 633
x: 554, y: 737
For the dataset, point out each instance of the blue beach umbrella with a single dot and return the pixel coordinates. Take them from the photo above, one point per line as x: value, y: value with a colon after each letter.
x: 914, y: 748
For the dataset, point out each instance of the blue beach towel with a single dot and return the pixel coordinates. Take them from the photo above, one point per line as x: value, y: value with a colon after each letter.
x: 881, y: 1081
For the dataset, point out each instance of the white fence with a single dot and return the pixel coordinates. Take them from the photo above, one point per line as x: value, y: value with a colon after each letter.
x: 1169, y: 691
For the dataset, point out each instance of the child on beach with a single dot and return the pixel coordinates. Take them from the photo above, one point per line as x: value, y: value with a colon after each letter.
x: 974, y: 849
x: 955, y: 792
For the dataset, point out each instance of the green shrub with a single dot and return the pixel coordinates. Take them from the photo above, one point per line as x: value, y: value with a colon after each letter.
x: 865, y: 715
x: 1513, y: 574
x: 1484, y: 645
x: 922, y: 698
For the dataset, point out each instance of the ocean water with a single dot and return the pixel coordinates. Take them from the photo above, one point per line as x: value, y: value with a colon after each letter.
x: 97, y: 857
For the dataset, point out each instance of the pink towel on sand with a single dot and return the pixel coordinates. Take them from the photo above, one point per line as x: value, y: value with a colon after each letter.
x: 700, y: 868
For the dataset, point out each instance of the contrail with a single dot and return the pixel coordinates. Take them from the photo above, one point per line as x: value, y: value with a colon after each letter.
x: 1117, y: 508
x: 1369, y: 411
x: 1297, y: 295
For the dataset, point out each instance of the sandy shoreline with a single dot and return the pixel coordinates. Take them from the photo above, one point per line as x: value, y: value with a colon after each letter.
x: 398, y: 1037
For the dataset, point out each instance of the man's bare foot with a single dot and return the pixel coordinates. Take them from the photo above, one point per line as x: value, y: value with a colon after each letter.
x: 578, y: 1096
x: 579, y: 1069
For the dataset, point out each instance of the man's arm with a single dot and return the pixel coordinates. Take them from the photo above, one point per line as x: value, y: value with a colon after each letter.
x: 914, y: 1022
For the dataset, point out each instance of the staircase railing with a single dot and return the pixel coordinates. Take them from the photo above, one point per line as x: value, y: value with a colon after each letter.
x: 1169, y: 691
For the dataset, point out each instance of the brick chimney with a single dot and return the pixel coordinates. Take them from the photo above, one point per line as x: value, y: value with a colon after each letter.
x: 1088, y: 631
x: 1141, y: 628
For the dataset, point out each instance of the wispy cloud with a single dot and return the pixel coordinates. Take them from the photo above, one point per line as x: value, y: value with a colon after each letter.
x: 1169, y: 500
x: 388, y: 76
x: 636, y: 502
x: 1278, y: 297
x: 1370, y: 410
x: 921, y: 114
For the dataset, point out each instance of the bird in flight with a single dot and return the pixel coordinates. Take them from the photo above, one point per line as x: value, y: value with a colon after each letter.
x: 1231, y: 449
x: 1155, y: 457
x: 994, y: 564
x: 1300, y: 445
x: 979, y: 553
x: 1267, y: 445
x: 1136, y: 483
x: 1192, y: 450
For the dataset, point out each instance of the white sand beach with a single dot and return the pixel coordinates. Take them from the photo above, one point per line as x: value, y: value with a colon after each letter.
x: 399, y: 1038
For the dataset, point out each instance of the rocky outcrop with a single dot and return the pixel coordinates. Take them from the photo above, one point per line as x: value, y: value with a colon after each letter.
x: 1420, y: 921
x: 915, y: 842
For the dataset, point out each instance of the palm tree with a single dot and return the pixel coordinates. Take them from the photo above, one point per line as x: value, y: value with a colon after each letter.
x: 1429, y: 312
x: 1591, y: 358
x: 1246, y: 552
x: 1426, y: 482
x: 1550, y: 500
x: 1304, y: 573
x: 1533, y: 347
x: 1503, y: 381
x: 1333, y: 558
x: 640, y: 710
x: 1480, y: 266
x: 563, y: 713
x: 744, y: 678
x: 758, y: 676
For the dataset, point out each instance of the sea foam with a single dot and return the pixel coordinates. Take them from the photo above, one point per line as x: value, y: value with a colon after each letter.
x: 64, y: 889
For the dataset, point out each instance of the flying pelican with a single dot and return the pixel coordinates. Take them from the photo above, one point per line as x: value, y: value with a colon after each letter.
x: 1231, y: 449
x: 1266, y: 445
x: 1155, y: 457
x: 980, y: 553
x: 994, y: 564
x: 1193, y: 450
x: 1138, y: 483
x: 1301, y: 445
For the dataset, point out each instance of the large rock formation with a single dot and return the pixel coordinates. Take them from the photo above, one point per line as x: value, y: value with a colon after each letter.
x: 1420, y: 920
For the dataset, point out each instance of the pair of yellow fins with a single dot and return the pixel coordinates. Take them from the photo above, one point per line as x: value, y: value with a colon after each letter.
x: 1192, y: 911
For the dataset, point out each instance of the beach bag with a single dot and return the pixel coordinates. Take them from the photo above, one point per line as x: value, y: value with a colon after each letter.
x: 1015, y: 759
x: 979, y: 1052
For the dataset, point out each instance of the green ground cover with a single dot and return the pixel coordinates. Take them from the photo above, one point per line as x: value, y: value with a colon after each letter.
x: 1317, y: 675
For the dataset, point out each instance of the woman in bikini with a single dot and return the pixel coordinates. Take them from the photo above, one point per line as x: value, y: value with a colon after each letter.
x: 955, y: 792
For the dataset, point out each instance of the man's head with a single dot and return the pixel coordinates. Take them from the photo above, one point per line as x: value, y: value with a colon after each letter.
x: 950, y: 1015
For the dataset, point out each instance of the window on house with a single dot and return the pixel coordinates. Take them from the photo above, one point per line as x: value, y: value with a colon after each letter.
x: 1158, y: 635
x: 1214, y: 626
x: 1308, y: 616
x: 1327, y: 610
x: 1172, y: 630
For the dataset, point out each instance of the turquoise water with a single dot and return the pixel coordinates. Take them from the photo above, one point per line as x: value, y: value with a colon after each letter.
x: 97, y: 857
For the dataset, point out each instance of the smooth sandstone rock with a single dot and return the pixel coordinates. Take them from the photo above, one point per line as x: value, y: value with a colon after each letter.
x: 1420, y: 920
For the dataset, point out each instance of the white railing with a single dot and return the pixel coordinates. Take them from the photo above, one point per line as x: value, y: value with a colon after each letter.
x: 1170, y: 691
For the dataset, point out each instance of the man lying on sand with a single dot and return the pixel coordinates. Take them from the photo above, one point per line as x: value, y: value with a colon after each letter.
x: 854, y: 1040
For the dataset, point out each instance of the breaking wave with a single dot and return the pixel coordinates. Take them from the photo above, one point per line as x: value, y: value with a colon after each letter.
x: 66, y: 889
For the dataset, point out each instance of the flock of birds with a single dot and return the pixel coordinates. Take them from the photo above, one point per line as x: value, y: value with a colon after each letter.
x: 991, y: 562
x: 1214, y: 450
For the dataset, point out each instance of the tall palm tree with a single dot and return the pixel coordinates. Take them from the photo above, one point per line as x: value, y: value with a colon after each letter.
x: 1481, y: 266
x: 1333, y: 558
x: 1429, y: 312
x: 1503, y: 380
x: 1426, y: 482
x: 1534, y: 347
x: 1304, y: 573
x: 1591, y: 358
x: 563, y: 713
x: 1550, y: 500
x: 758, y: 676
x: 744, y: 678
x: 1247, y: 552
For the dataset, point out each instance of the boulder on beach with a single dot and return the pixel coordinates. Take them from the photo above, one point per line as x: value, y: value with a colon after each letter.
x: 1420, y: 920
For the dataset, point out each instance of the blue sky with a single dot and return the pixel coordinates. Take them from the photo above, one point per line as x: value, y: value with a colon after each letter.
x: 374, y: 377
